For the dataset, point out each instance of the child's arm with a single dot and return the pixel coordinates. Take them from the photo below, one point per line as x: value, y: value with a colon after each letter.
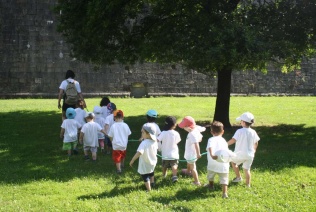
x: 134, y: 158
x: 197, y: 150
x: 81, y: 137
x: 211, y: 154
x: 231, y: 141
x: 62, y: 132
x: 255, y: 146
x: 106, y: 128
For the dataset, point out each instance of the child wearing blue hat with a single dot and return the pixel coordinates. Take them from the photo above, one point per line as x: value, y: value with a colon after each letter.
x: 69, y: 131
x: 151, y: 116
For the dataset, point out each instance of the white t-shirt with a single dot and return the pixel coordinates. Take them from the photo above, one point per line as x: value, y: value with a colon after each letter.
x: 148, y: 158
x: 64, y: 84
x: 193, y: 137
x: 71, y: 127
x: 105, y: 112
x: 109, y: 121
x: 90, y: 131
x: 216, y: 143
x: 119, y: 131
x: 168, y: 142
x: 245, y: 140
x: 80, y: 114
x: 101, y: 121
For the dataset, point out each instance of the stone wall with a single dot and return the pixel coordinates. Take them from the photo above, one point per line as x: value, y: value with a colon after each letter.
x: 34, y: 59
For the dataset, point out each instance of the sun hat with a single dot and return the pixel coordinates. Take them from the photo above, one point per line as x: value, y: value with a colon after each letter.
x: 70, y: 113
x: 247, y: 117
x: 151, y: 129
x: 187, y: 121
x: 97, y: 110
x: 152, y: 113
x: 111, y: 106
x: 118, y: 113
x: 90, y: 115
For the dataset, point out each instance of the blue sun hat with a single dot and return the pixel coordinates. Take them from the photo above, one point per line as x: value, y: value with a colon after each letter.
x: 152, y: 113
x: 70, y: 113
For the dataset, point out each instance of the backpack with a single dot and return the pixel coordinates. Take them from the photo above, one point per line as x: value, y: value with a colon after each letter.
x: 71, y: 94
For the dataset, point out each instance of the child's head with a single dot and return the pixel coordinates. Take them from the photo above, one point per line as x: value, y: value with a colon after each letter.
x: 89, y: 116
x: 247, y: 117
x: 217, y: 128
x: 70, y: 74
x: 151, y: 115
x: 118, y: 115
x: 104, y: 101
x: 111, y: 107
x: 97, y: 111
x: 170, y: 123
x: 149, y: 131
x: 70, y: 113
x: 187, y: 123
x: 80, y: 104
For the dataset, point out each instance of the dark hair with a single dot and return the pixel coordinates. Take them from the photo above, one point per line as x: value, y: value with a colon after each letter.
x: 104, y: 101
x: 217, y: 127
x: 170, y: 121
x: 248, y: 124
x: 151, y: 119
x: 70, y: 74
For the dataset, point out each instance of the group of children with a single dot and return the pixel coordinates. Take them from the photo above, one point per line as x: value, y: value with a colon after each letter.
x: 106, y: 126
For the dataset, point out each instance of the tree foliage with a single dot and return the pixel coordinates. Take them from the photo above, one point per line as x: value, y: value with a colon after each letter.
x: 206, y: 35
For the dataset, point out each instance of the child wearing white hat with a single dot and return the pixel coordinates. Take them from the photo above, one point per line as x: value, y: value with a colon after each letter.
x: 246, y: 142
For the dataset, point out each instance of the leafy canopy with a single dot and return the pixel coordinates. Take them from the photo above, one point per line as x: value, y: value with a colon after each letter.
x: 204, y: 35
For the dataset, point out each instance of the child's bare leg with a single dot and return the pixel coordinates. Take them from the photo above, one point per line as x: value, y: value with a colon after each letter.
x: 248, y: 176
x: 122, y: 163
x: 192, y: 169
x: 164, y: 171
x: 69, y: 152
x: 94, y: 156
x: 118, y: 166
x: 236, y: 170
x: 174, y: 170
x: 224, y: 188
x: 147, y: 184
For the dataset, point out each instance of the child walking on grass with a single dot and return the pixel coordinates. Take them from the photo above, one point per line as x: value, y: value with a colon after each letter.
x: 69, y: 131
x: 147, y: 154
x: 246, y: 143
x: 214, y: 144
x: 168, y: 144
x: 192, y: 148
x: 89, y: 136
x: 109, y: 121
x: 101, y: 121
x: 118, y: 134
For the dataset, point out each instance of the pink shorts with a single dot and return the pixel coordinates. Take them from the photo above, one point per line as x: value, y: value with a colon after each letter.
x: 118, y: 155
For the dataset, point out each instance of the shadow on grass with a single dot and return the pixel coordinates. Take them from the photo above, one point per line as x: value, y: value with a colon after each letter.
x: 30, y: 149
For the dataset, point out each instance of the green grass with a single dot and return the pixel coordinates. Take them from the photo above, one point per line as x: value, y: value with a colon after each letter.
x: 37, y: 176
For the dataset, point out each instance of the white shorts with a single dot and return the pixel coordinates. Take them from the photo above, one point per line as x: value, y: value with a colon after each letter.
x: 245, y: 161
x: 223, y: 177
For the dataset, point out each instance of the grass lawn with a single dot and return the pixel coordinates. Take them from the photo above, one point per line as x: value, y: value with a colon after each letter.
x: 36, y: 175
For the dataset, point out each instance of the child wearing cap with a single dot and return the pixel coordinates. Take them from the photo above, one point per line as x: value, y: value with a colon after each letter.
x: 118, y: 134
x: 101, y: 121
x: 89, y: 136
x: 168, y: 144
x: 246, y: 143
x: 151, y: 116
x: 69, y: 131
x: 109, y: 121
x: 192, y: 148
x: 214, y: 144
x: 147, y: 154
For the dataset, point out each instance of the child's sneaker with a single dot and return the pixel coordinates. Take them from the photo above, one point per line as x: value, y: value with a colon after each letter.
x: 225, y: 196
x: 86, y: 158
x: 174, y: 179
x: 118, y: 171
x: 196, y: 183
x: 237, y: 180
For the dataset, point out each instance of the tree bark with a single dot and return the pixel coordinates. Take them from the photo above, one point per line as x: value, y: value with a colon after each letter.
x: 223, y: 96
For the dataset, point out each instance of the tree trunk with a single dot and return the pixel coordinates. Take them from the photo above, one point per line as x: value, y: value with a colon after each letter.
x: 223, y: 96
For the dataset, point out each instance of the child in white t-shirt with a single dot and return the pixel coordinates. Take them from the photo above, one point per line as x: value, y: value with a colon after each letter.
x: 118, y: 134
x: 101, y: 121
x: 246, y: 140
x: 89, y: 136
x: 214, y: 144
x: 80, y: 117
x: 147, y: 154
x: 109, y: 121
x: 151, y: 117
x: 168, y: 144
x: 192, y: 148
x: 103, y: 104
x: 69, y: 131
